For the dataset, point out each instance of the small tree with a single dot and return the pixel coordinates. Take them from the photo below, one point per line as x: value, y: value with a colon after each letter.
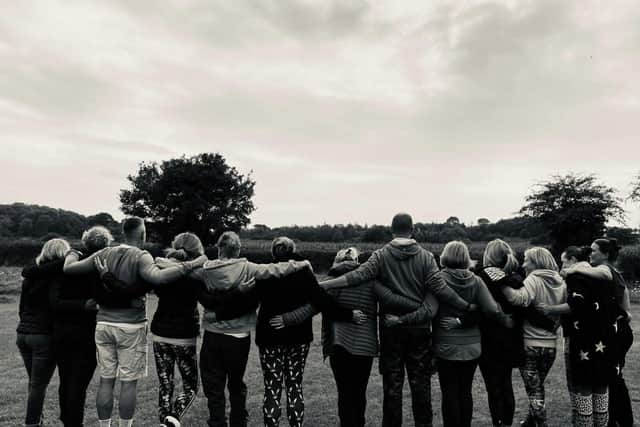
x: 453, y: 220
x: 635, y: 189
x: 483, y: 221
x: 26, y: 227
x: 201, y: 194
x: 574, y: 208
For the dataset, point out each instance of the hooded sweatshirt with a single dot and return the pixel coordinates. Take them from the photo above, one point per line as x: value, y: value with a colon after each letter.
x: 462, y: 343
x: 540, y: 286
x: 228, y: 274
x: 407, y: 269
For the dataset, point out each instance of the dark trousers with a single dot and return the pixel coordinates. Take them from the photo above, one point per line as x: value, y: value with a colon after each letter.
x: 456, y: 380
x: 497, y: 380
x: 167, y: 356
x: 406, y: 349
x: 39, y: 360
x: 76, y: 359
x: 620, y: 411
x: 223, y: 360
x: 352, y: 377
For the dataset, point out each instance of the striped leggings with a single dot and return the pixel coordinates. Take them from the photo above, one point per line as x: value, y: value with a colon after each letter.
x: 167, y: 356
x: 537, y: 364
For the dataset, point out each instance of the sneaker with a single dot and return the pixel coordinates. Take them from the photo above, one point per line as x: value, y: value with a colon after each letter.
x: 172, y: 421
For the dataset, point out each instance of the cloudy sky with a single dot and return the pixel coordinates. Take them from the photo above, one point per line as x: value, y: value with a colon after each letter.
x: 346, y: 111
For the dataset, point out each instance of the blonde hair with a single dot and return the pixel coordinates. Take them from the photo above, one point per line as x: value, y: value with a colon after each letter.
x: 541, y: 258
x: 52, y: 250
x: 186, y: 246
x: 229, y: 244
x: 348, y: 254
x: 96, y: 238
x: 282, y: 248
x: 499, y: 254
x: 455, y: 255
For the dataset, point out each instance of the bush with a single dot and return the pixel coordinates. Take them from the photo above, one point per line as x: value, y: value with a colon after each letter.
x: 629, y: 262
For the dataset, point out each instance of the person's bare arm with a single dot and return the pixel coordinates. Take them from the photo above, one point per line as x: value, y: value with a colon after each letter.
x: 518, y: 297
x: 367, y: 271
x: 277, y: 270
x: 154, y: 275
x: 599, y: 273
x: 73, y: 264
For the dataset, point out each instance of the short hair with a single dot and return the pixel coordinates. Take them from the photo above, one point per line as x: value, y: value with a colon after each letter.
x: 499, y: 254
x: 96, y: 238
x: 185, y: 246
x: 131, y: 225
x: 541, y: 258
x: 52, y: 250
x: 282, y: 248
x: 455, y: 255
x: 402, y: 223
x: 348, y: 254
x: 580, y: 253
x: 609, y: 247
x: 229, y: 244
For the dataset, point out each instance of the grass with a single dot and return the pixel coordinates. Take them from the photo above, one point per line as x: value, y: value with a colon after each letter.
x: 320, y: 394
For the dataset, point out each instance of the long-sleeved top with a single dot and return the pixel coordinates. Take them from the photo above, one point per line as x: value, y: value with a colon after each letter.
x: 463, y: 343
x: 407, y: 269
x: 177, y: 315
x: 540, y: 286
x: 68, y: 296
x: 34, y: 309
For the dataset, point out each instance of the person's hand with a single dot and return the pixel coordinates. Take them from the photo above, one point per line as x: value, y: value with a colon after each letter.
x: 508, y: 321
x: 358, y: 317
x: 472, y: 307
x: 209, y: 316
x: 248, y: 285
x: 91, y: 305
x: 101, y: 267
x: 277, y: 322
x: 162, y: 262
x: 543, y: 308
x: 448, y: 323
x: 305, y: 264
x: 391, y: 320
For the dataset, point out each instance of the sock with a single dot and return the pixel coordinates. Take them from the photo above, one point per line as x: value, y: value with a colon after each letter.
x: 574, y: 411
x: 584, y: 407
x: 601, y: 410
x: 104, y: 423
x: 126, y: 423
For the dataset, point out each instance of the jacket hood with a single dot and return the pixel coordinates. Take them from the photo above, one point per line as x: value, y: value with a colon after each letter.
x: 226, y: 272
x: 343, y: 267
x: 457, y: 277
x: 403, y: 248
x: 550, y: 278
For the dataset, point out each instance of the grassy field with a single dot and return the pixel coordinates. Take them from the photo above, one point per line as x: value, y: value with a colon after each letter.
x: 320, y: 394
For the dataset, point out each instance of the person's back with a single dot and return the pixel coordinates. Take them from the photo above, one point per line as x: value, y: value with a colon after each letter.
x: 34, y: 309
x: 177, y: 315
x: 543, y: 287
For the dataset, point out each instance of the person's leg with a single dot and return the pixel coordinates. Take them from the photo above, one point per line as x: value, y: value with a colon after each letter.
x: 448, y: 378
x: 492, y: 385
x: 532, y: 384
x: 132, y: 366
x: 362, y: 371
x: 584, y: 406
x: 506, y: 391
x: 342, y: 375
x: 188, y: 367
x: 392, y: 370
x: 546, y: 358
x: 104, y: 398
x: 43, y: 365
x: 236, y: 356
x: 79, y: 359
x: 620, y: 410
x: 272, y: 362
x: 465, y: 379
x: 214, y: 378
x: 418, y: 363
x: 294, y: 362
x: 600, y: 406
x: 165, y: 367
x: 107, y: 358
x: 128, y: 398
x: 569, y: 378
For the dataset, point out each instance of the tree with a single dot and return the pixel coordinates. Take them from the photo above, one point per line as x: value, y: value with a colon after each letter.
x: 201, y: 194
x: 635, y: 189
x: 453, y: 220
x: 42, y: 225
x: 26, y: 227
x: 574, y: 209
x: 483, y: 221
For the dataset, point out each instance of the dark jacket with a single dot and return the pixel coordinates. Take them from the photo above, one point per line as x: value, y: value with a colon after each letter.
x: 68, y: 296
x: 177, y: 314
x: 34, y: 308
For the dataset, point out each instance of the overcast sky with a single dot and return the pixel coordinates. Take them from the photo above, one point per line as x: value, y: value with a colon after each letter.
x: 346, y: 111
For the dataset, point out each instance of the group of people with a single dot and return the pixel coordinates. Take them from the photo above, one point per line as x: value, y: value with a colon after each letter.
x: 82, y: 310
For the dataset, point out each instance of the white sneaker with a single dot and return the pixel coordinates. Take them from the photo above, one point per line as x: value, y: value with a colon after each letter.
x: 172, y: 421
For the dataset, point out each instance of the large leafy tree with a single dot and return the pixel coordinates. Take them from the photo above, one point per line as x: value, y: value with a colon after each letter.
x: 202, y: 194
x: 574, y: 208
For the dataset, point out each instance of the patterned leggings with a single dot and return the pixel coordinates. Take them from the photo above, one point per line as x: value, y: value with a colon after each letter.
x: 283, y: 362
x: 537, y: 364
x: 166, y: 356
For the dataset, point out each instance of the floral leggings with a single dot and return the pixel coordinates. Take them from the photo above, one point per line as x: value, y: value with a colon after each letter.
x: 167, y: 355
x: 283, y: 362
x: 537, y: 364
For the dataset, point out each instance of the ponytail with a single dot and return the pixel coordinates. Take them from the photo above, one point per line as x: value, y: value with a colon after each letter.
x: 610, y: 247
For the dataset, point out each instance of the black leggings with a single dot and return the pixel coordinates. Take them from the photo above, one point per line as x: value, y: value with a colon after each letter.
x: 456, y: 380
x: 497, y: 380
x: 352, y: 377
x: 167, y: 356
x: 620, y: 411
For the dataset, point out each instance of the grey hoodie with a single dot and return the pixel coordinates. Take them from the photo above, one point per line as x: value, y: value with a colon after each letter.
x: 407, y: 269
x: 227, y: 274
x: 540, y: 286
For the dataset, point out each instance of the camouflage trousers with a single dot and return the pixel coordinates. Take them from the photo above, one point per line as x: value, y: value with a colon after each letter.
x: 406, y: 349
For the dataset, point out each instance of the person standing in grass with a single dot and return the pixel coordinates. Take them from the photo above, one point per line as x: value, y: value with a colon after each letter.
x: 34, y: 331
x: 543, y: 285
x: 408, y: 270
x: 121, y: 333
x: 457, y: 347
x: 604, y: 253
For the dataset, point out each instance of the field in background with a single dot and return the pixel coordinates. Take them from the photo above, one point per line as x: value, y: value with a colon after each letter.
x: 319, y: 386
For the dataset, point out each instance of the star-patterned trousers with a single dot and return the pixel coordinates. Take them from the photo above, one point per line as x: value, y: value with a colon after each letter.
x: 283, y: 363
x: 537, y: 364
